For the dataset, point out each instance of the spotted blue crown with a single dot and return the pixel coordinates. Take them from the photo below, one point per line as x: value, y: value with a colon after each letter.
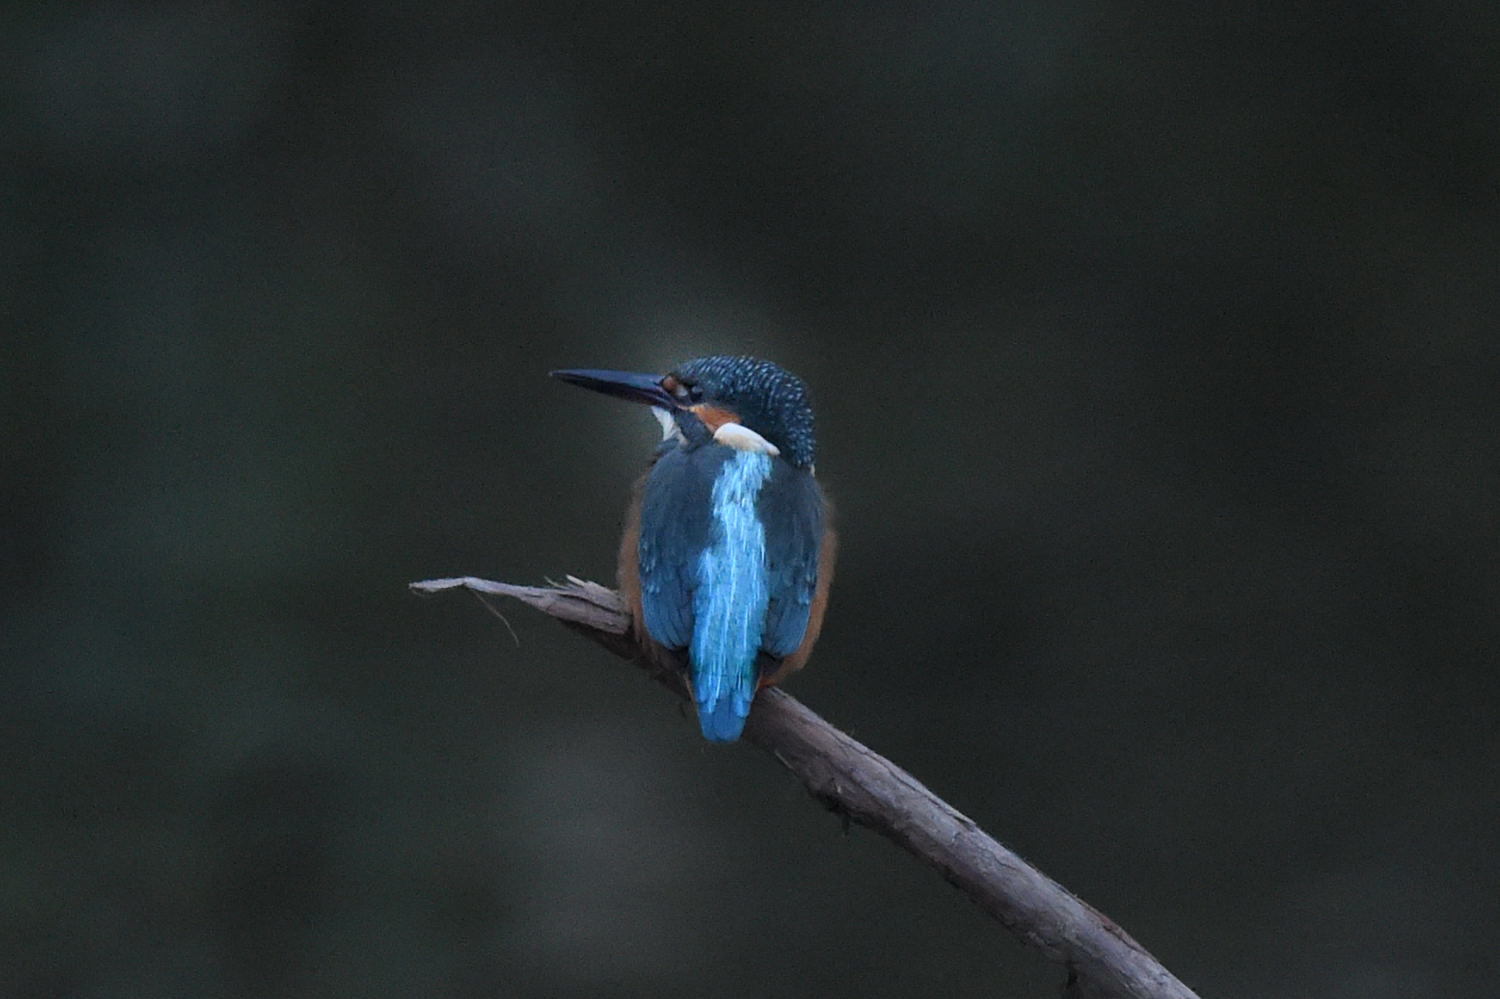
x: 768, y: 398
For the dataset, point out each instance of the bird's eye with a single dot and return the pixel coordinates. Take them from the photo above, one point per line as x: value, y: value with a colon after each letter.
x: 684, y: 392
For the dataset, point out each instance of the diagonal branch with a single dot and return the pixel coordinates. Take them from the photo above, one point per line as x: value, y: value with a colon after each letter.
x: 1102, y: 959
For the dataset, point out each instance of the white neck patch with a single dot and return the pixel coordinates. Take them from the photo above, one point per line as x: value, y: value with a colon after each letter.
x: 669, y: 427
x: 742, y: 438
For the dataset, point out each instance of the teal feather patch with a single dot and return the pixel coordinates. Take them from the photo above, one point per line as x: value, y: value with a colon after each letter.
x: 729, y: 606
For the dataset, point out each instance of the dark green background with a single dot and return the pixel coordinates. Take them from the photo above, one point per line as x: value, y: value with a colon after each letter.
x: 1155, y: 356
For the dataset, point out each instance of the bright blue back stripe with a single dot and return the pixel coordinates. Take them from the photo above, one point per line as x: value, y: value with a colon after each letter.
x: 729, y: 606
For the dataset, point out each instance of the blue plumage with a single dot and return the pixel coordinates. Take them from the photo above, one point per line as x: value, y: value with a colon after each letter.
x: 729, y: 544
x: 791, y: 508
x: 676, y: 526
x: 729, y: 606
x: 732, y: 527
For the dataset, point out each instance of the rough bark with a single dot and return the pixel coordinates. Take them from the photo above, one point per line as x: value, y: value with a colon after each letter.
x: 1101, y: 959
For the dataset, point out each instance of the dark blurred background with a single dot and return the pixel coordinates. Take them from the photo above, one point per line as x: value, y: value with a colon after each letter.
x: 1155, y: 358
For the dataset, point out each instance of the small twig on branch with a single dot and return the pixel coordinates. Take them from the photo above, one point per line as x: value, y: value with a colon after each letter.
x: 1102, y: 960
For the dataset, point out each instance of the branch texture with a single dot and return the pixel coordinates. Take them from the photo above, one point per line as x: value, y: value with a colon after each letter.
x: 1102, y: 960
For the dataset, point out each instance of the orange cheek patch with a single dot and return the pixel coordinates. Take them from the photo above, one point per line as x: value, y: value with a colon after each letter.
x: 714, y: 417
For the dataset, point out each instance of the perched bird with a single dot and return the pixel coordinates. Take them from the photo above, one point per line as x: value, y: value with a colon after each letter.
x: 728, y: 549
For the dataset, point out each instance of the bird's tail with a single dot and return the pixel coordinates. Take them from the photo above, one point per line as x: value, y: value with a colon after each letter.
x: 723, y: 700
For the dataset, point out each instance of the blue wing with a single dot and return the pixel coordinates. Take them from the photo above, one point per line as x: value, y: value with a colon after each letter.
x: 791, y: 508
x: 676, y: 525
x: 720, y: 585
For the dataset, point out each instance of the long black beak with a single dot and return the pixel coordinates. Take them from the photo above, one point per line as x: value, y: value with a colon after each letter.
x: 621, y: 384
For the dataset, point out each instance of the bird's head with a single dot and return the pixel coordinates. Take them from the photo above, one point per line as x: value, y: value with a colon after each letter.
x: 743, y: 402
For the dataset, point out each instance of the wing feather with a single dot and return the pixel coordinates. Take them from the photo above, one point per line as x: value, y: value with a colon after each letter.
x: 676, y: 524
x: 792, y: 510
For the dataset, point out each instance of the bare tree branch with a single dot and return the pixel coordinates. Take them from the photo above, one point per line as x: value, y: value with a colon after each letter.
x: 1102, y: 960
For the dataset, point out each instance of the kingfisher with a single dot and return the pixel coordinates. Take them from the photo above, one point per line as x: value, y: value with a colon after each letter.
x: 728, y: 547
